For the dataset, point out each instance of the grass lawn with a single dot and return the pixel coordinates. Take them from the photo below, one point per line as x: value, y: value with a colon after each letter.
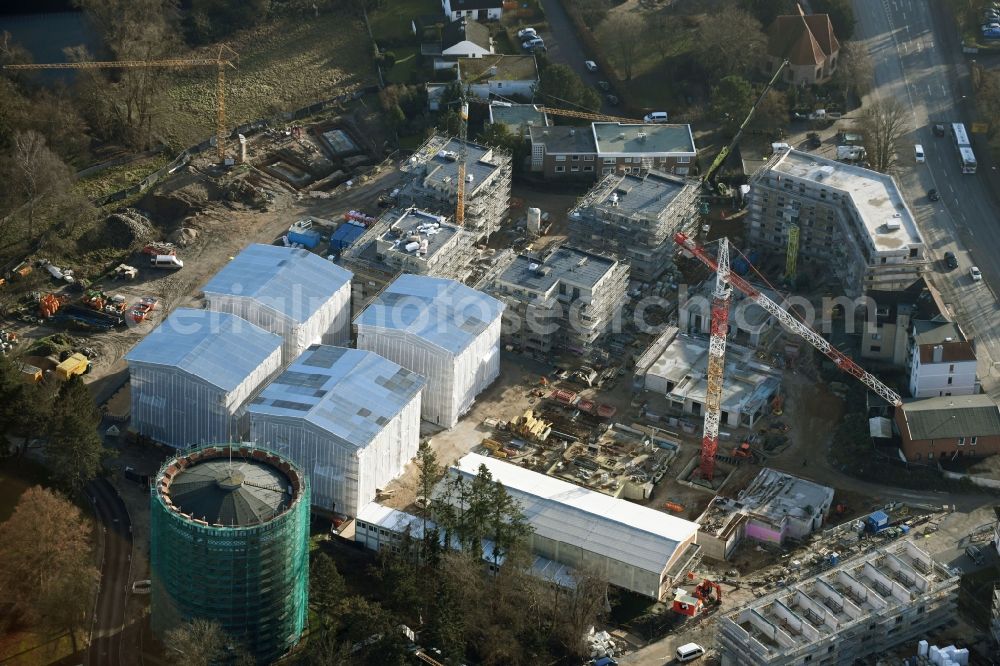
x: 26, y: 648
x: 393, y: 23
x: 407, y: 62
x: 284, y: 65
x: 503, y: 44
x: 119, y: 177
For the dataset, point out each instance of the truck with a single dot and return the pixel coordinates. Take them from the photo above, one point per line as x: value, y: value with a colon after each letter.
x: 850, y: 153
x: 75, y: 364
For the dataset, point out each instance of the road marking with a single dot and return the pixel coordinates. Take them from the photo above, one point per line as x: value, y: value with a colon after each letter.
x: 904, y: 18
x: 944, y: 91
x: 952, y: 190
x: 929, y: 90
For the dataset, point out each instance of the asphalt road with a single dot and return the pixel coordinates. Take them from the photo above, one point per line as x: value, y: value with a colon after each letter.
x: 109, y: 620
x: 564, y: 47
x: 917, y: 60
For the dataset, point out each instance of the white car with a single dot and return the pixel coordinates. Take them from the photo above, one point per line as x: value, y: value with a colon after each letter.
x: 526, y: 33
x: 591, y: 65
x: 976, y: 275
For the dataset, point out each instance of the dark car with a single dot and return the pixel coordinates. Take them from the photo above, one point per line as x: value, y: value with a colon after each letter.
x: 938, y: 129
x: 613, y: 100
x: 813, y: 140
x: 604, y: 85
x: 950, y: 260
x: 933, y: 195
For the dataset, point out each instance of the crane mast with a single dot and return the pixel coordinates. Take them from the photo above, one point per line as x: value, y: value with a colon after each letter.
x: 463, y: 155
x: 841, y: 360
x: 716, y: 362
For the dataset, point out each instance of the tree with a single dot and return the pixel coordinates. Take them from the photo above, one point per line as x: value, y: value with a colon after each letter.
x: 731, y: 42
x: 23, y: 405
x: 326, y: 586
x: 841, y: 16
x: 772, y: 112
x: 197, y: 642
x: 593, y: 12
x: 65, y: 601
x: 884, y: 125
x: 624, y: 36
x: 766, y: 11
x: 44, y: 558
x: 854, y: 69
x: 446, y: 623
x: 75, y: 450
x: 731, y: 101
x: 561, y: 87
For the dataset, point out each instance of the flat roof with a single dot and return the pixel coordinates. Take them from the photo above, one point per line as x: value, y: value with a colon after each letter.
x: 423, y: 226
x: 444, y: 312
x: 517, y: 115
x: 930, y: 332
x: 293, y: 282
x: 442, y: 165
x: 653, y: 138
x: 952, y: 416
x: 502, y: 67
x: 647, y: 195
x: 568, y: 264
x: 217, y: 347
x: 566, y: 513
x: 567, y: 139
x: 776, y: 494
x: 350, y: 393
x: 875, y: 195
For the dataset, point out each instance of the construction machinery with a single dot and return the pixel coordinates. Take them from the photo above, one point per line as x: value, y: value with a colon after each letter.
x: 708, y: 592
x: 227, y: 57
x: 707, y: 177
x: 74, y: 364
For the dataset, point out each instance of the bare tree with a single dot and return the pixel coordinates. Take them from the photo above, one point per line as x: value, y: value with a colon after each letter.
x: 884, y: 125
x: 624, y: 35
x: 854, y: 69
x: 196, y: 642
x: 731, y: 42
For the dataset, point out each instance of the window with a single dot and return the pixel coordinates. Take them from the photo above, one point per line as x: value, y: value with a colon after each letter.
x: 609, y: 160
x: 589, y: 167
x: 951, y: 368
x: 560, y: 158
x: 606, y: 171
x: 972, y: 440
x: 899, y: 620
x: 913, y: 253
x: 961, y: 441
x: 876, y: 336
x: 575, y: 168
x: 950, y: 380
x: 876, y: 348
x: 576, y: 158
x: 560, y: 169
x: 588, y: 158
x: 683, y: 159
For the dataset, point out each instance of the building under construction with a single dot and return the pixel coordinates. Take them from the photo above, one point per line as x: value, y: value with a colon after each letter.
x: 433, y: 185
x: 633, y: 217
x: 229, y: 542
x: 425, y: 244
x: 860, y: 608
x: 568, y: 298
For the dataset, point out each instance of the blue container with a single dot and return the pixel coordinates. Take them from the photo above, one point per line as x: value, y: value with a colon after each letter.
x: 309, y: 238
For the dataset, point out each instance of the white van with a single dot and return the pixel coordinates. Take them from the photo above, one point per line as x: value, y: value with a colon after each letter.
x: 918, y: 153
x: 165, y: 261
x: 655, y: 117
x: 689, y: 652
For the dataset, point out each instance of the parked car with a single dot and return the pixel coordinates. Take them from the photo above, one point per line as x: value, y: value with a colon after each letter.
x: 938, y: 129
x: 533, y: 43
x: 590, y: 65
x: 950, y: 260
x: 932, y: 195
x: 975, y: 274
x: 526, y: 33
x: 604, y: 85
x: 813, y: 140
x: 613, y: 100
x: 689, y: 652
x: 655, y: 117
x: 975, y: 554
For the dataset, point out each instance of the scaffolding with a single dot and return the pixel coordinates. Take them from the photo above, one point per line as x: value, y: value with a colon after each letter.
x: 229, y: 542
x: 792, y: 252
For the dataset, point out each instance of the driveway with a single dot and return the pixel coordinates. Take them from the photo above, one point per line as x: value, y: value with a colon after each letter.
x: 563, y: 46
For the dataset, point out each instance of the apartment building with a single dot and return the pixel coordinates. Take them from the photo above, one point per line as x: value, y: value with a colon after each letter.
x: 425, y: 244
x: 567, y: 298
x: 942, y: 361
x: 851, y: 219
x: 884, y: 320
x: 433, y: 184
x: 861, y: 608
x: 634, y: 217
x: 604, y: 148
x: 949, y: 427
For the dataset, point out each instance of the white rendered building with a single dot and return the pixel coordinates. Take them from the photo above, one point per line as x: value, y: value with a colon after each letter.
x: 191, y: 377
x: 349, y: 418
x: 292, y: 292
x: 442, y: 330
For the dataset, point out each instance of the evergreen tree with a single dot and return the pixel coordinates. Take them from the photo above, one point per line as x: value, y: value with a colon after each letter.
x: 22, y: 405
x: 326, y: 586
x: 446, y: 626
x: 75, y: 449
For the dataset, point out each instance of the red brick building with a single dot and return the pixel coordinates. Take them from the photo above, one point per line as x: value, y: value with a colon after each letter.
x: 949, y: 427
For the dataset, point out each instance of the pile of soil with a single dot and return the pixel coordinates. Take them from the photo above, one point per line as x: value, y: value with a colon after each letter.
x: 183, y: 236
x: 123, y: 230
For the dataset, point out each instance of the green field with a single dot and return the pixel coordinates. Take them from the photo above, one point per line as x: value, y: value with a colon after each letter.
x: 119, y: 177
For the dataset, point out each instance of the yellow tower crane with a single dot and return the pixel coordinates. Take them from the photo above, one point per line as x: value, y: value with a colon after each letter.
x: 792, y: 251
x: 227, y: 58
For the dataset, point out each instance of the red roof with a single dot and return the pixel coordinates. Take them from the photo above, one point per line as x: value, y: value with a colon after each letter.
x: 803, y: 40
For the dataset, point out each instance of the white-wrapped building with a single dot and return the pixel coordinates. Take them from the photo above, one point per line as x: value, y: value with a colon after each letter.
x: 292, y: 292
x: 193, y: 375
x: 442, y: 330
x: 350, y: 418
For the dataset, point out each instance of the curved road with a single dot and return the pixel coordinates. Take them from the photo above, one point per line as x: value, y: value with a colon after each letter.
x: 917, y: 60
x: 109, y: 619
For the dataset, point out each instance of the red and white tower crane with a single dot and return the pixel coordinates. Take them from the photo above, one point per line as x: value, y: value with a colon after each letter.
x: 716, y: 361
x: 717, y: 346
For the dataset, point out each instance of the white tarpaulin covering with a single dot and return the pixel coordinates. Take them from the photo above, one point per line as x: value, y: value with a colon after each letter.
x: 442, y: 330
x: 192, y: 375
x: 350, y: 418
x: 292, y: 292
x: 879, y: 426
